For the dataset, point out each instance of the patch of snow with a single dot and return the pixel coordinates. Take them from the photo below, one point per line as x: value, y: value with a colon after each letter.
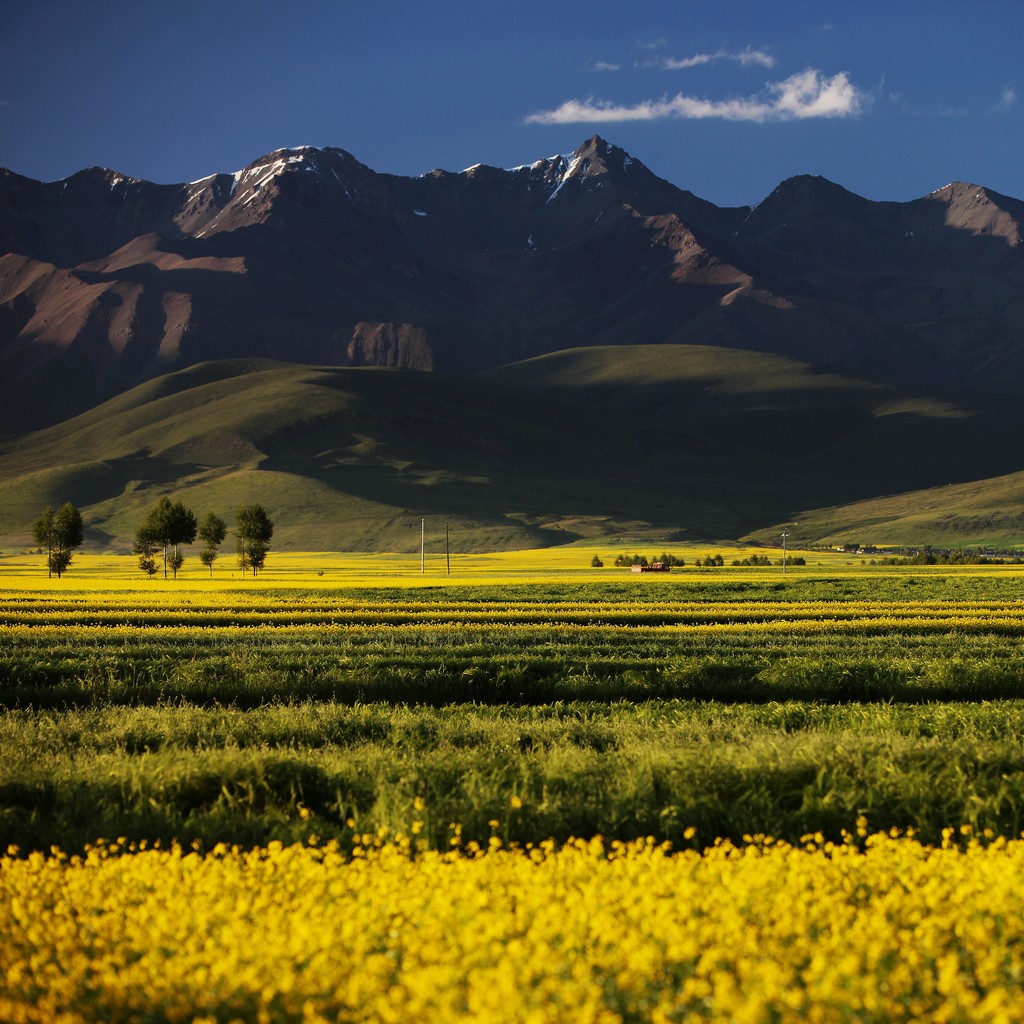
x: 558, y: 188
x: 529, y: 242
x: 564, y: 171
x: 253, y: 195
x: 201, y: 180
x: 271, y: 172
x: 627, y: 163
x: 266, y: 172
x: 466, y: 170
x: 420, y: 213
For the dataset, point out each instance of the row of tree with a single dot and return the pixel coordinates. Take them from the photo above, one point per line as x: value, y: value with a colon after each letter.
x: 168, y: 527
x: 965, y: 556
x: 665, y: 558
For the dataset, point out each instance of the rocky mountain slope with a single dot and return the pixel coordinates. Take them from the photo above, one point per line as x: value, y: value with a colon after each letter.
x: 309, y: 256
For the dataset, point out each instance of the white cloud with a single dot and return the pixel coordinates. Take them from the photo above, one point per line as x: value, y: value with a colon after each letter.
x: 756, y: 57
x: 672, y: 64
x: 1007, y: 99
x: 746, y: 58
x: 604, y: 65
x: 807, y: 94
x: 801, y: 96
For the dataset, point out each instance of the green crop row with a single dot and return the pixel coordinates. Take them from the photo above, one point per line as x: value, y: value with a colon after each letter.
x: 544, y: 712
x: 619, y: 770
x: 428, y: 663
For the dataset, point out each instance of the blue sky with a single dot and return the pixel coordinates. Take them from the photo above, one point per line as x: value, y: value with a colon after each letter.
x: 891, y: 100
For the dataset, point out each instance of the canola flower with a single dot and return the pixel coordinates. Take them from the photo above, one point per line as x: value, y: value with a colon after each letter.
x: 876, y: 928
x: 317, y: 569
x: 54, y: 625
x: 322, y: 572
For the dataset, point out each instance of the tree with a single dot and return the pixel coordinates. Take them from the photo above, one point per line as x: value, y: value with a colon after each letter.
x: 254, y: 529
x: 60, y: 534
x: 42, y: 531
x: 167, y: 526
x: 212, y: 534
x: 147, y: 543
x: 146, y: 547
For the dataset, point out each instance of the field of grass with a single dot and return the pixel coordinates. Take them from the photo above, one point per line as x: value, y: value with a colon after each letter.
x: 346, y: 726
x: 732, y: 699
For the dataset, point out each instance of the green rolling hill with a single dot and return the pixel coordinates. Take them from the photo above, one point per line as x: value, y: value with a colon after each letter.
x: 665, y: 441
x: 982, y: 512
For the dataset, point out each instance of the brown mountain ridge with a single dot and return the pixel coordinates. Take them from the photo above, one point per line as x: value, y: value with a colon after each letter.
x: 571, y: 348
x: 308, y: 256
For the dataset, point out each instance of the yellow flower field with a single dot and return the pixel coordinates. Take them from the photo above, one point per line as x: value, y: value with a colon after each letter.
x: 318, y: 569
x: 878, y: 928
x: 527, y: 695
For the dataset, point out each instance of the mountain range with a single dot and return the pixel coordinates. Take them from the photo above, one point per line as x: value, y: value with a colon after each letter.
x: 572, y: 346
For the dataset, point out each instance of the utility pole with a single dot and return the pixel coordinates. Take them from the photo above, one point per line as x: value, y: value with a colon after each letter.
x: 447, y: 549
x: 423, y: 546
x: 785, y: 534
